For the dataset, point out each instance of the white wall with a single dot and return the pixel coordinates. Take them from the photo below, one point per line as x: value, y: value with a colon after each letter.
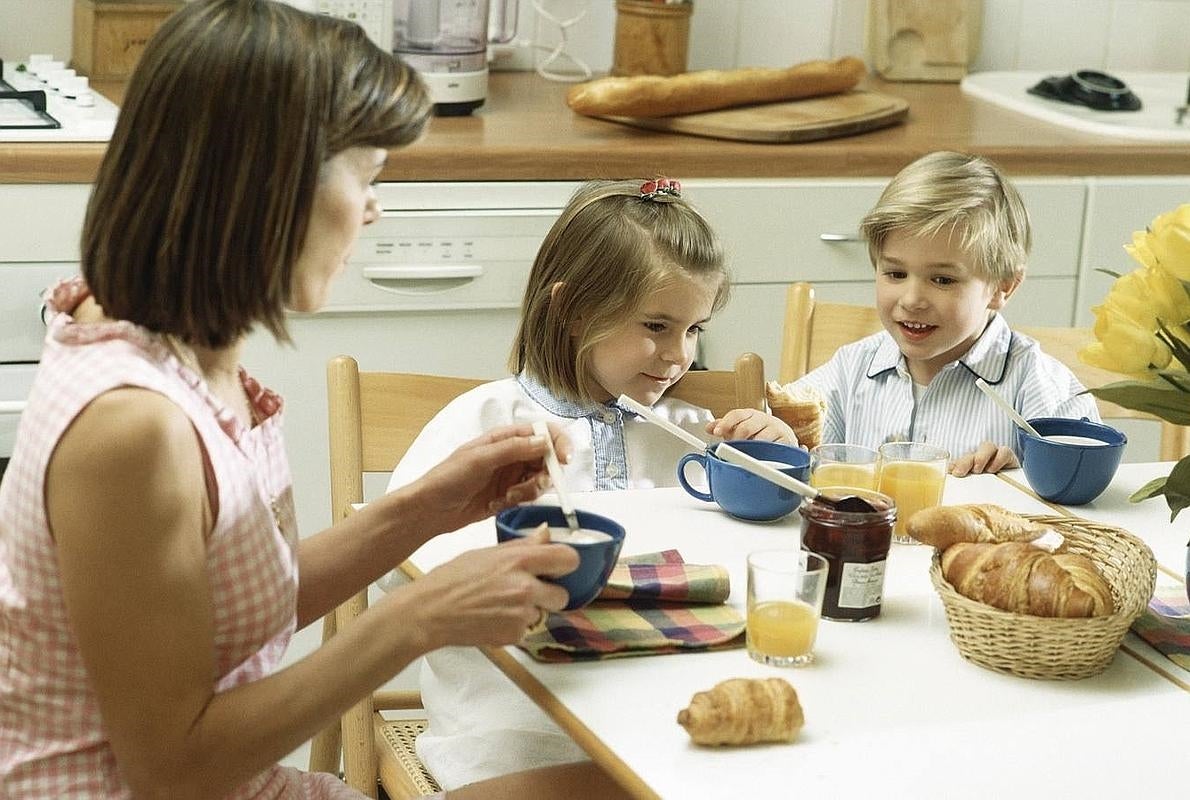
x: 1126, y: 35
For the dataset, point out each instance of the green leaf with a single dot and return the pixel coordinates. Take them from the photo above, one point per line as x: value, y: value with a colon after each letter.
x: 1111, y: 272
x: 1153, y: 488
x: 1165, y: 402
x: 1176, y: 378
x: 1177, y: 488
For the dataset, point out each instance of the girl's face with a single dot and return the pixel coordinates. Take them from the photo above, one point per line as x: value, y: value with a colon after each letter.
x: 344, y: 202
x: 649, y: 350
x: 932, y: 300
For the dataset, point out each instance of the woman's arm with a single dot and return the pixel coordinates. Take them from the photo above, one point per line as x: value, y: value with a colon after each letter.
x: 129, y: 512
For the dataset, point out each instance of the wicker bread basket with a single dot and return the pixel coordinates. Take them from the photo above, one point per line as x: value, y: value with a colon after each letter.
x: 1050, y: 647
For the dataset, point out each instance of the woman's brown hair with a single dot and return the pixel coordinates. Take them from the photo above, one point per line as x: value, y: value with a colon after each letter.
x: 609, y: 250
x: 203, y: 197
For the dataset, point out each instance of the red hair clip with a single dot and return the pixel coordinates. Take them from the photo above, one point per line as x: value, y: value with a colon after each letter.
x: 650, y: 189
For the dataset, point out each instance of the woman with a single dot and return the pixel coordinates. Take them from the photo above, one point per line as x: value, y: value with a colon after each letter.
x: 150, y: 572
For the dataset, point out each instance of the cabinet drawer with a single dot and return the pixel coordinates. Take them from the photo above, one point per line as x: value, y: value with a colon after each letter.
x: 42, y: 222
x: 784, y: 231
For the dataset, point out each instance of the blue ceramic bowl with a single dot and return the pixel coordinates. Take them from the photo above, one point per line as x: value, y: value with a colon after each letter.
x: 1067, y: 473
x: 596, y: 559
x: 739, y: 492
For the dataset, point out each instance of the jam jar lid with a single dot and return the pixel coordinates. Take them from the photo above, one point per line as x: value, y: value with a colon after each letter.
x: 886, y: 507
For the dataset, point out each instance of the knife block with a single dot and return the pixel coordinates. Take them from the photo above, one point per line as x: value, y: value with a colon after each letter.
x: 109, y: 35
x: 922, y: 40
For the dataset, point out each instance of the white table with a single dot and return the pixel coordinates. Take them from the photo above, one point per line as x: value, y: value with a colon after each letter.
x: 892, y: 710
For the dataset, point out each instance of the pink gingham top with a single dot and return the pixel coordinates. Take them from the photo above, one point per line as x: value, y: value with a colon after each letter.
x: 53, y: 743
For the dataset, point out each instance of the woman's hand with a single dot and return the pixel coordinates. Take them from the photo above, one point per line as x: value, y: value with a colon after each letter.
x: 502, y: 468
x: 748, y: 423
x: 491, y: 596
x: 988, y: 458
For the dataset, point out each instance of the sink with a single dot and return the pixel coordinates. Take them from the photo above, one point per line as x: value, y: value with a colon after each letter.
x: 1162, y: 93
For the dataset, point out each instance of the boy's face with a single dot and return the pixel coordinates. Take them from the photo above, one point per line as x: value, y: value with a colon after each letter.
x: 652, y: 348
x: 931, y: 299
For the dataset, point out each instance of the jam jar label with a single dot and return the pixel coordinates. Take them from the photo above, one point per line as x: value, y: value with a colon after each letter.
x: 861, y: 585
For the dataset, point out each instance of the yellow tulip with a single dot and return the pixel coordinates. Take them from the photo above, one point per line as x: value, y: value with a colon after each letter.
x: 1168, y: 241
x: 1147, y: 295
x: 1124, y: 346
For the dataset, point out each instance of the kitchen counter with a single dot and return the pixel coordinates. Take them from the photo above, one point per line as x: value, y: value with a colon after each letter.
x: 526, y: 132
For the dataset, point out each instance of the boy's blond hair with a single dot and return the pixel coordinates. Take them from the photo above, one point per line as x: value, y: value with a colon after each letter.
x: 609, y: 250
x: 964, y: 194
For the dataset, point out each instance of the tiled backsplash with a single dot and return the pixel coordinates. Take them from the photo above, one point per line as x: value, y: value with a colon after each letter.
x: 1127, y: 35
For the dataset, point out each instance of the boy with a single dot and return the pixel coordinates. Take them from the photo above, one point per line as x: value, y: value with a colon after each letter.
x: 948, y: 239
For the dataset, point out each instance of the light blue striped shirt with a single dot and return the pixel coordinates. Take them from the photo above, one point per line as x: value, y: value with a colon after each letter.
x: 869, y: 393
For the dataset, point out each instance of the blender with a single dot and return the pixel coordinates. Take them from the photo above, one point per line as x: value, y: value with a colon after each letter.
x: 446, y: 41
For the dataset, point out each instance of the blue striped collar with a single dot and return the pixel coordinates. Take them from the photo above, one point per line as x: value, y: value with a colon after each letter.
x: 558, y: 406
x: 987, y: 358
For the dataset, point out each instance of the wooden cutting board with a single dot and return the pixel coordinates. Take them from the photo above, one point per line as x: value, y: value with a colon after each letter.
x: 791, y: 121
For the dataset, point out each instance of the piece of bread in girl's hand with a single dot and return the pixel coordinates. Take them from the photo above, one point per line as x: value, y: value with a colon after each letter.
x: 744, y: 711
x: 707, y: 90
x: 799, y: 407
x: 943, y: 526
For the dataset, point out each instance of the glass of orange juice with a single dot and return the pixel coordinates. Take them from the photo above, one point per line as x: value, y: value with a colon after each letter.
x: 850, y: 465
x: 913, y: 474
x: 785, y: 591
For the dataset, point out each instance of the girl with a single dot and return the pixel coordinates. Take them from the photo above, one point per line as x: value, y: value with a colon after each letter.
x: 619, y: 292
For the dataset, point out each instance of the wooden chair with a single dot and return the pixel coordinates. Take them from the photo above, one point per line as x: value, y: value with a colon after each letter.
x: 374, y: 418
x: 814, y: 331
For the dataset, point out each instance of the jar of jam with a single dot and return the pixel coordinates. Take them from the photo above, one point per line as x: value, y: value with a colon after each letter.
x: 855, y: 546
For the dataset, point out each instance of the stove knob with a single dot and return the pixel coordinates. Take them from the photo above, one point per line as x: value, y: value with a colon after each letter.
x: 57, y: 79
x: 46, y: 67
x: 79, y: 90
x: 33, y: 65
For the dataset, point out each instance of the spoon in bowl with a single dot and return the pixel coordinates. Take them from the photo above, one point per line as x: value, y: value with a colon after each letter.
x: 555, y: 470
x: 996, y: 398
x: 850, y: 503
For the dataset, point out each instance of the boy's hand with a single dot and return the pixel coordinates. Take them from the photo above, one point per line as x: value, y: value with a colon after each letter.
x: 987, y: 458
x: 748, y: 423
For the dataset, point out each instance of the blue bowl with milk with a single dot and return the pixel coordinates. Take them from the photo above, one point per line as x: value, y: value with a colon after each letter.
x: 1073, y: 461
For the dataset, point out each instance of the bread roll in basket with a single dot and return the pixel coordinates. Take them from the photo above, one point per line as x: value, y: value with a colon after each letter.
x: 1056, y: 648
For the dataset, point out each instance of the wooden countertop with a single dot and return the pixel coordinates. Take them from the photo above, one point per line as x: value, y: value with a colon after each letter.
x: 526, y: 132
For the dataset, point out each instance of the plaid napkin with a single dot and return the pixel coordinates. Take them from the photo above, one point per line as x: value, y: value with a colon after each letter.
x: 1166, y: 624
x: 638, y: 614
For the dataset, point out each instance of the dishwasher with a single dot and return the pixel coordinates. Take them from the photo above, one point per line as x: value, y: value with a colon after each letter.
x: 433, y: 286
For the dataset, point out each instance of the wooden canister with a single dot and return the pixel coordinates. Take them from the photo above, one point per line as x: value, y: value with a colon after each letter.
x: 651, y: 37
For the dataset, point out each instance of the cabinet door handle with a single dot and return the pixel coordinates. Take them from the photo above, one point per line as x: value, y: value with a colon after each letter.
x: 12, y: 406
x: 417, y: 272
x: 840, y: 237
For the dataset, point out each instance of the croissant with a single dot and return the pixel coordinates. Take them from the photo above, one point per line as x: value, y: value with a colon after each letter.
x: 1015, y: 576
x: 942, y: 526
x: 744, y: 711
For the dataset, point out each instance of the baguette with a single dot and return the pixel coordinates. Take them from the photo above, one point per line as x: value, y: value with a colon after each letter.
x: 1017, y: 577
x: 943, y: 526
x: 706, y: 90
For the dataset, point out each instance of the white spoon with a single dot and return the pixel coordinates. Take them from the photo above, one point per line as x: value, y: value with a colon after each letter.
x: 756, y: 467
x: 995, y: 397
x: 555, y: 470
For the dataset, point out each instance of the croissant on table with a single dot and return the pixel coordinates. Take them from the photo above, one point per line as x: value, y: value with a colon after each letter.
x: 1018, y: 577
x: 744, y: 711
x: 942, y: 526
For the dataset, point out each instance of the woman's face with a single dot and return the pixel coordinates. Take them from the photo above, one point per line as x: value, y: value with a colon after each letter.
x: 344, y: 202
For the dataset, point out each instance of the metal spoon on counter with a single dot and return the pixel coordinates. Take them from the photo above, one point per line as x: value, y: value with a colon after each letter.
x: 849, y: 502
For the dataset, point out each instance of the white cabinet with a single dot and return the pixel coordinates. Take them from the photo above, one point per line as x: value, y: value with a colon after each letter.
x: 777, y: 232
x: 1115, y: 208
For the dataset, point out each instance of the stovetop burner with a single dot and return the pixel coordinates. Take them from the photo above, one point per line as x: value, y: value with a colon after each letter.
x: 1088, y: 87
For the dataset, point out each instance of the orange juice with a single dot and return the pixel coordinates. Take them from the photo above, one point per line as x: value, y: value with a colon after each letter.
x: 856, y: 476
x: 913, y: 485
x: 782, y: 628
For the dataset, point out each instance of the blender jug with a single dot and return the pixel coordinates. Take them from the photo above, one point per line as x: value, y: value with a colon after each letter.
x: 446, y: 41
